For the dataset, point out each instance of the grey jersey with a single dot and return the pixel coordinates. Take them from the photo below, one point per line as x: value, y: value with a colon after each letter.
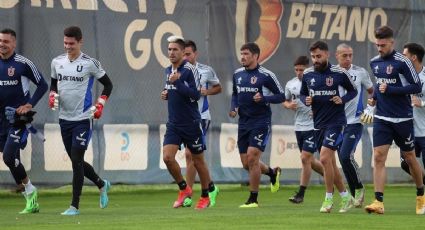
x: 354, y: 108
x: 419, y: 112
x: 303, y: 115
x: 208, y: 78
x: 75, y: 83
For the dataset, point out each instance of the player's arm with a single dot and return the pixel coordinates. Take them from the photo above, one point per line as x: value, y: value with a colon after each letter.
x: 190, y: 90
x: 97, y: 71
x: 409, y: 73
x: 349, y: 87
x: 289, y: 103
x: 37, y: 78
x: 304, y: 94
x: 278, y: 95
x: 212, y: 80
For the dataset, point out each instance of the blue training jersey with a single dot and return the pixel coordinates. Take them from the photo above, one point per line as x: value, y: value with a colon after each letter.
x: 402, y: 80
x: 183, y: 95
x: 246, y: 83
x: 16, y: 73
x: 322, y: 87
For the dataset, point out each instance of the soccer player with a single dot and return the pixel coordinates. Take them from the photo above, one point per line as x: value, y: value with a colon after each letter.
x: 210, y: 85
x: 396, y: 80
x: 254, y: 88
x: 353, y: 131
x: 415, y: 53
x: 72, y: 77
x: 184, y: 122
x: 323, y: 88
x: 304, y: 129
x: 16, y: 73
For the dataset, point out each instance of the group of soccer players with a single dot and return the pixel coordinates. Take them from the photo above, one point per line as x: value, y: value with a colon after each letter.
x: 334, y: 93
x: 72, y: 77
x: 327, y: 99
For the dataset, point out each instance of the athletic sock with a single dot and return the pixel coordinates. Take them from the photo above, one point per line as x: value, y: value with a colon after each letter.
x: 182, y: 185
x: 420, y: 191
x: 204, y: 193
x: 272, y: 175
x: 29, y: 188
x: 211, y: 187
x: 253, y: 196
x: 379, y: 196
x: 301, y: 192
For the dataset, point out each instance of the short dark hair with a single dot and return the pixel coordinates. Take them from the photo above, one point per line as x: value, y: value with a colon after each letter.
x: 321, y: 45
x: 73, y: 32
x: 252, y: 47
x: 384, y: 32
x: 190, y: 43
x: 8, y: 31
x: 415, y: 49
x: 301, y: 60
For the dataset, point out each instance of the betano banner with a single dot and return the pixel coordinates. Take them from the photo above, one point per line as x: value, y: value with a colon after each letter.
x: 129, y: 39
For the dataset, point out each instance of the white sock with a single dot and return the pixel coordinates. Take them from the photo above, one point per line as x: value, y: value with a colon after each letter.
x: 29, y: 188
x: 329, y: 195
x: 343, y: 194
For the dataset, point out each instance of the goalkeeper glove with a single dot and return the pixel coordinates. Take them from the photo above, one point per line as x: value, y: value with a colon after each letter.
x: 96, y: 110
x: 53, y: 100
x: 367, y: 115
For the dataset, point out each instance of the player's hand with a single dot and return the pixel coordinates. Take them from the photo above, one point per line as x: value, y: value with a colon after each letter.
x: 204, y: 91
x: 258, y: 97
x: 383, y: 87
x: 96, y: 110
x: 174, y: 76
x: 371, y: 102
x: 53, y: 100
x: 233, y: 113
x: 308, y: 100
x: 293, y: 105
x: 164, y: 94
x: 417, y: 102
x: 337, y: 100
x: 367, y: 115
x: 23, y: 109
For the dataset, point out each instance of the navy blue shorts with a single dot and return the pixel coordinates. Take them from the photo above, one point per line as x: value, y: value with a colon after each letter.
x: 75, y: 134
x: 420, y: 146
x: 385, y: 132
x: 191, y: 136
x: 306, y: 141
x: 15, y: 138
x: 330, y: 137
x: 256, y: 136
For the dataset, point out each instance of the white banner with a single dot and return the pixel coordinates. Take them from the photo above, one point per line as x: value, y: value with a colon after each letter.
x: 393, y: 157
x: 55, y: 156
x: 180, y: 156
x: 126, y: 146
x: 229, y: 152
x: 25, y: 156
x: 284, y: 149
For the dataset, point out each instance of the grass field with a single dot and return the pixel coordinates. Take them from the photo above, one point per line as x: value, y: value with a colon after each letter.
x: 149, y: 207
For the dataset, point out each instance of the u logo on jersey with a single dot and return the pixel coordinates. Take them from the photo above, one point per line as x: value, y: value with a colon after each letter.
x: 389, y: 69
x: 11, y: 71
x: 79, y: 68
x: 253, y: 79
x: 329, y: 81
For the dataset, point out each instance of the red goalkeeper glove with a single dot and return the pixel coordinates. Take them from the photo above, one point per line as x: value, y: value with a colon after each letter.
x: 53, y: 100
x: 96, y: 110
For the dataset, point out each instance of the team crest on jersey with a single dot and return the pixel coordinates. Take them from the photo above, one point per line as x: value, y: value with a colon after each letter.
x: 312, y: 81
x: 389, y: 69
x: 253, y: 79
x: 329, y: 81
x: 11, y: 71
x: 79, y: 68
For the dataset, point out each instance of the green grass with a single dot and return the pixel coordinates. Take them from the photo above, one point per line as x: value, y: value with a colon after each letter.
x: 150, y: 207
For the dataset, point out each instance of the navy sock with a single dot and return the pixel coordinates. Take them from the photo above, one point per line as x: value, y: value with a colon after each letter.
x: 182, y: 185
x: 420, y: 191
x: 302, y: 190
x: 211, y: 187
x: 379, y: 196
x: 253, y: 197
x: 204, y: 193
